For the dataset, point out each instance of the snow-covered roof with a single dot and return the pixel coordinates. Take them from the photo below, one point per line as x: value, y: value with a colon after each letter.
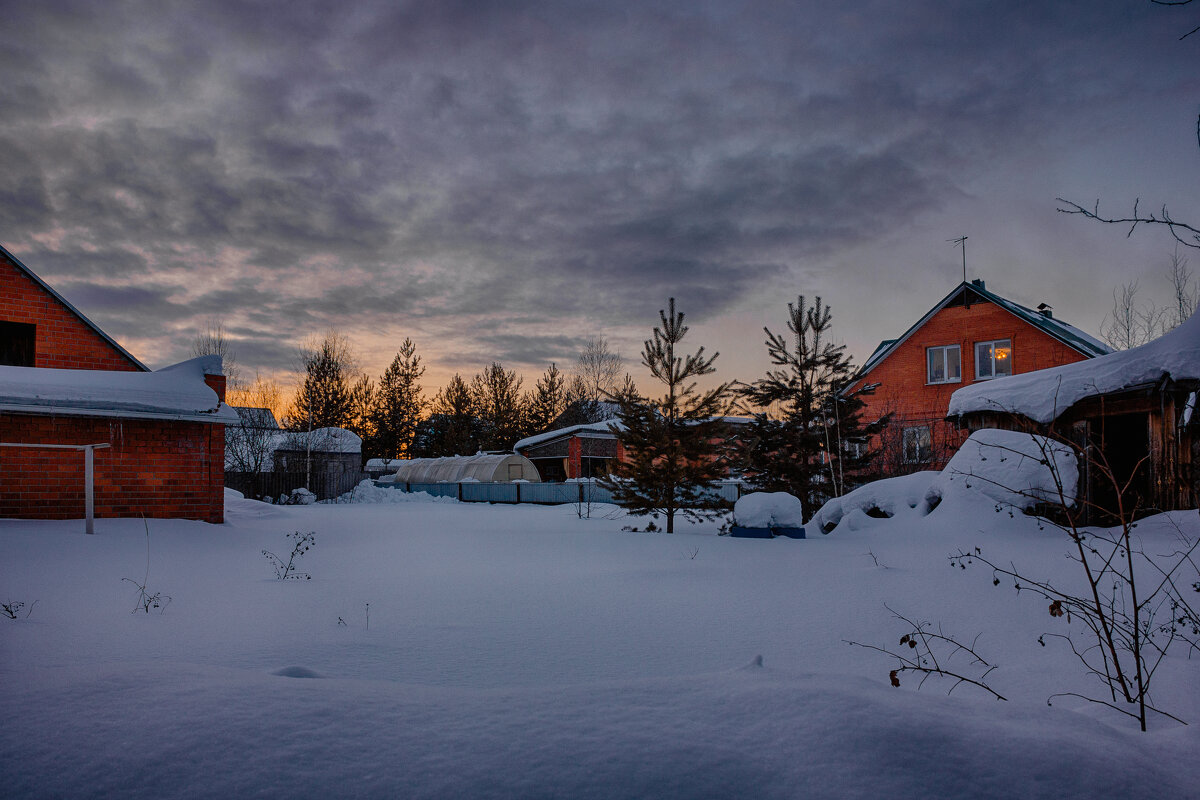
x: 1044, y: 395
x: 34, y: 277
x: 1068, y: 334
x: 594, y: 428
x: 454, y: 469
x: 255, y: 417
x: 321, y: 440
x: 177, y: 392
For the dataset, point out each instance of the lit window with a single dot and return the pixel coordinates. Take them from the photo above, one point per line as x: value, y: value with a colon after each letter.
x: 943, y: 364
x: 993, y: 359
x: 918, y: 445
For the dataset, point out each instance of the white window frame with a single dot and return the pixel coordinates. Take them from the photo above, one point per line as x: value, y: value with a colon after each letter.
x: 1005, y: 344
x: 943, y: 350
x: 912, y: 436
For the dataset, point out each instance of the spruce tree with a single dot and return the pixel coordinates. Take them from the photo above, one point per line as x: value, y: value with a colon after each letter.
x: 800, y: 447
x: 362, y: 413
x: 672, y: 443
x: 398, y: 405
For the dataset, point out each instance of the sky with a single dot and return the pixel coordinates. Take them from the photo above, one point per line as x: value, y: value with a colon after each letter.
x: 501, y: 181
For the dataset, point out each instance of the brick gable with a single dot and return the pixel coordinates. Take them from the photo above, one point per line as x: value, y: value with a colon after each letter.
x: 63, y: 339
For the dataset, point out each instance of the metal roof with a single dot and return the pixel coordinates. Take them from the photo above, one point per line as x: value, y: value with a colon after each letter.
x: 1068, y: 334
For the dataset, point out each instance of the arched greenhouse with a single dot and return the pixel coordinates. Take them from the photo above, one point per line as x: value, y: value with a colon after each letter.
x: 484, y: 467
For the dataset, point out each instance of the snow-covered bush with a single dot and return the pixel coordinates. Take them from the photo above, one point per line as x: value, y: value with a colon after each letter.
x: 769, y: 510
x: 1015, y: 469
x: 297, y: 497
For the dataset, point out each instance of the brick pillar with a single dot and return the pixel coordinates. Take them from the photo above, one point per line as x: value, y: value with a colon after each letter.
x: 574, y: 457
x: 217, y: 384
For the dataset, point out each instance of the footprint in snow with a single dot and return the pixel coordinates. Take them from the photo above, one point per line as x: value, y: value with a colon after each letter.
x: 297, y: 672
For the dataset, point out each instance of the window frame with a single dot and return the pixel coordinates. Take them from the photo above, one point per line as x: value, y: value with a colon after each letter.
x: 944, y: 350
x: 992, y: 343
x: 917, y: 457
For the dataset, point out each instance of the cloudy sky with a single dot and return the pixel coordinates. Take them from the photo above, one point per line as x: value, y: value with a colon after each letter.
x: 502, y: 180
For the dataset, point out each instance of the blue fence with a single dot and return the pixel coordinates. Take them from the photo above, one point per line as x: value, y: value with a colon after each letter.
x: 538, y: 493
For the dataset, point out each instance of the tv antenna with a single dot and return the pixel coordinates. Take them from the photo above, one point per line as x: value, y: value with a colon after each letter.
x: 962, y: 242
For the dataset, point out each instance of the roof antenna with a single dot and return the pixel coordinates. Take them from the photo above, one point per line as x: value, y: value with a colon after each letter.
x: 962, y: 241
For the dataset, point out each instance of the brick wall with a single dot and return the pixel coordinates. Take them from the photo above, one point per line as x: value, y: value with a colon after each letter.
x: 902, y: 375
x: 62, y: 339
x: 155, y: 468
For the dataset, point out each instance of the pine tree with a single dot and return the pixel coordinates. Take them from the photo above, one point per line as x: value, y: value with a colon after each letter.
x: 672, y: 443
x: 802, y: 447
x: 547, y: 401
x: 362, y: 413
x: 323, y: 400
x: 452, y: 428
x: 398, y: 405
x: 496, y: 393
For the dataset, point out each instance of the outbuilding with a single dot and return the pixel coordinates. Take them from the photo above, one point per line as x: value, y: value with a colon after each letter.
x: 68, y: 390
x: 483, y: 467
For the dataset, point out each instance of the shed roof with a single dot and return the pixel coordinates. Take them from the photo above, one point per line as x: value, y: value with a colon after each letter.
x: 177, y: 392
x: 1046, y: 394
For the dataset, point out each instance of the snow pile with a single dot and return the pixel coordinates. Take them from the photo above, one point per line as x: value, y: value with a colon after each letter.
x: 367, y: 492
x: 175, y: 392
x: 1043, y: 395
x: 904, y: 496
x: 1014, y: 469
x: 1006, y: 467
x: 769, y: 510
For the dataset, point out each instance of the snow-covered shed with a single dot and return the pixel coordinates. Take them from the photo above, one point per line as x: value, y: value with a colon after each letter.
x: 587, y: 450
x: 1136, y: 407
x: 483, y: 467
x: 65, y: 384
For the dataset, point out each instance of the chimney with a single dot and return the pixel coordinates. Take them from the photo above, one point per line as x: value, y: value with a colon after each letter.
x: 1046, y: 310
x: 217, y: 384
x: 979, y: 282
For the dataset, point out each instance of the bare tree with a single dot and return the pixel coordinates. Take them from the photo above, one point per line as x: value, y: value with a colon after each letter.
x: 250, y: 445
x: 1184, y: 285
x: 1131, y: 323
x: 214, y: 341
x: 599, y: 369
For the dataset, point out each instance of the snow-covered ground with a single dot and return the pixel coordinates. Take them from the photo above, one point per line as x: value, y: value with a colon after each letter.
x: 524, y: 652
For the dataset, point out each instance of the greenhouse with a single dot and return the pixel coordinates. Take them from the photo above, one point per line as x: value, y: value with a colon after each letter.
x: 484, y: 468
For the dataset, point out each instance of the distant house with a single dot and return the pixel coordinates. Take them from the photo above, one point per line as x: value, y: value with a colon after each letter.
x: 1134, y: 409
x: 971, y: 336
x: 65, y: 384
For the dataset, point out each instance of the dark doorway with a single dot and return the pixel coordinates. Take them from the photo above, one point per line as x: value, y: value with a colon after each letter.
x: 1123, y: 442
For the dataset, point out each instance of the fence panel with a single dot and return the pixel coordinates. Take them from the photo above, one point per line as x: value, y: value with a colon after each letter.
x: 435, y: 489
x: 270, y: 485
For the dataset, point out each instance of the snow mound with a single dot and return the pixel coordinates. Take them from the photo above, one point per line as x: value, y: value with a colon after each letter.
x: 769, y: 510
x: 912, y: 495
x: 367, y: 492
x: 1013, y: 468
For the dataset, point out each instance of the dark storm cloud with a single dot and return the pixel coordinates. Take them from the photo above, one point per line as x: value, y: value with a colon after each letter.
x: 376, y: 166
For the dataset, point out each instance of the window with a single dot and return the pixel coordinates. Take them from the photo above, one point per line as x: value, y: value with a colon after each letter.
x: 918, y: 445
x: 943, y: 364
x: 16, y: 344
x: 993, y: 359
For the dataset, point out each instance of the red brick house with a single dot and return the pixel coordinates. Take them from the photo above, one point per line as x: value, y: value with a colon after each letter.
x: 63, y: 381
x: 971, y: 335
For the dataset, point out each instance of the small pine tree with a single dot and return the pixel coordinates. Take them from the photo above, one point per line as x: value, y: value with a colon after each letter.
x: 803, y: 447
x: 362, y: 413
x: 398, y: 406
x: 673, y: 444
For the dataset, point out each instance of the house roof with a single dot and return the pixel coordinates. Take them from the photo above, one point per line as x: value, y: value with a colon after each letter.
x: 1069, y: 335
x: 177, y: 392
x: 595, y: 429
x: 34, y: 277
x: 255, y: 417
x: 1046, y: 394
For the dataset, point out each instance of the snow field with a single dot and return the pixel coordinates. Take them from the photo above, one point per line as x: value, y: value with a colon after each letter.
x: 523, y: 652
